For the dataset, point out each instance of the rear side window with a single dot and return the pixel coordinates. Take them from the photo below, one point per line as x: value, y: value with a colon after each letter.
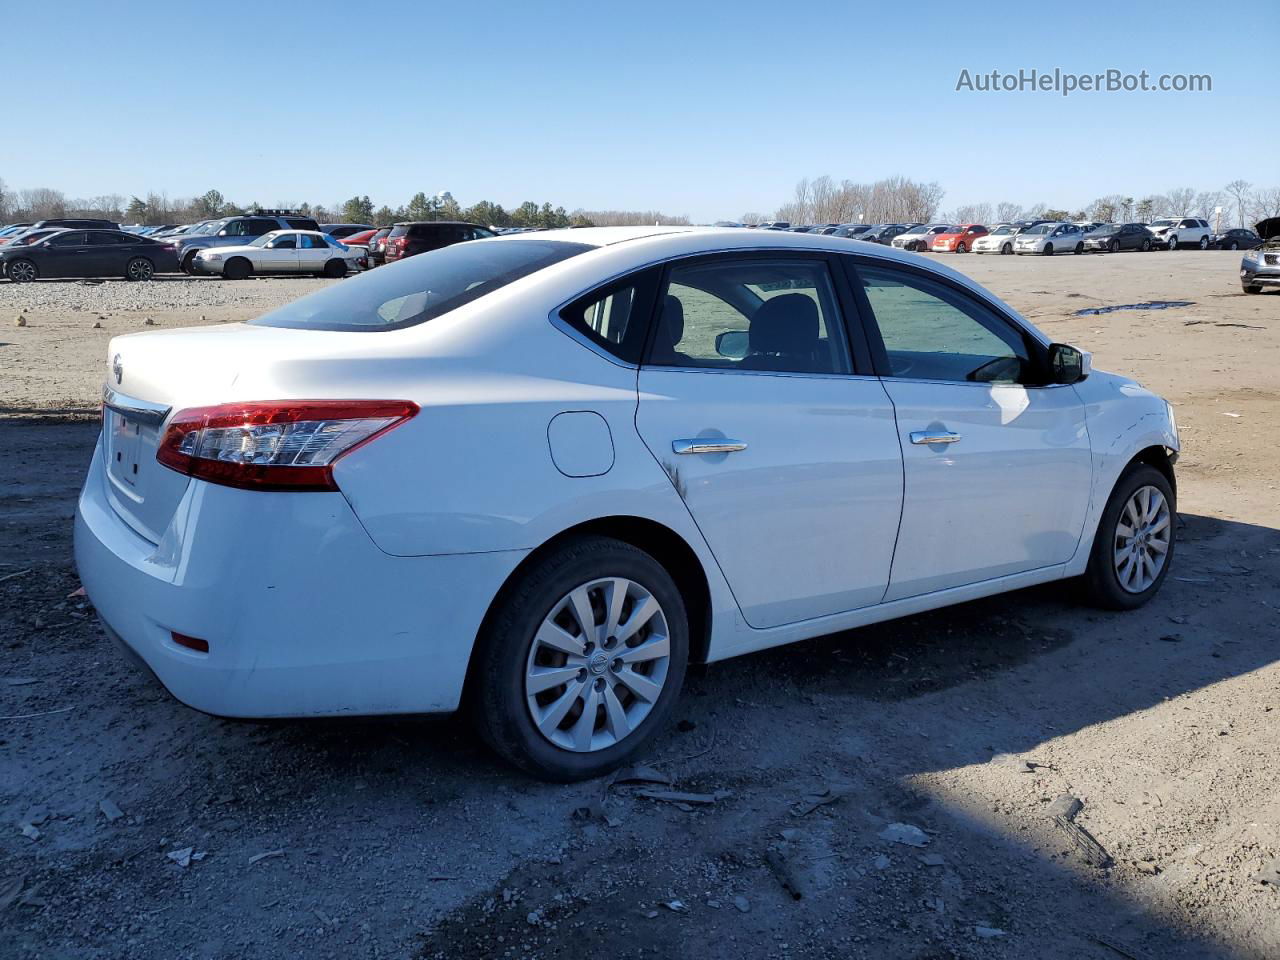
x: 301, y: 223
x: 422, y: 287
x: 615, y: 318
x: 399, y: 231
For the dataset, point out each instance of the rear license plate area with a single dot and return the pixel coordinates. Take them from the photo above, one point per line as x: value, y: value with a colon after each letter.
x: 124, y: 446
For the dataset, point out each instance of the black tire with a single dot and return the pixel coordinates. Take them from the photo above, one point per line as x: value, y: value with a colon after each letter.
x: 139, y: 268
x: 1204, y: 243
x: 1100, y: 583
x: 1006, y: 250
x: 188, y: 263
x: 1250, y: 289
x: 1114, y: 247
x: 23, y: 271
x: 496, y: 693
x: 960, y: 248
x: 334, y: 269
x: 1173, y: 243
x: 237, y: 268
x: 1146, y: 246
x: 1233, y: 246
x: 1079, y: 248
x: 1048, y: 250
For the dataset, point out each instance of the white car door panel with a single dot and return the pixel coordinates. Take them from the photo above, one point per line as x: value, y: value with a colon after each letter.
x: 1009, y: 494
x: 997, y: 473
x: 803, y: 518
x: 789, y: 465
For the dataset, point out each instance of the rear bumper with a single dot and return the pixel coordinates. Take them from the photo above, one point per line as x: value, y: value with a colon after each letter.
x: 303, y: 614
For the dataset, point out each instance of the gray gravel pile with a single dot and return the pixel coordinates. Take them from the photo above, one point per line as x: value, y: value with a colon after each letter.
x: 206, y: 294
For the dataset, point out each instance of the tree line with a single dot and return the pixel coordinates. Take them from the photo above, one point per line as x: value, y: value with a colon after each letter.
x: 153, y: 209
x: 900, y: 199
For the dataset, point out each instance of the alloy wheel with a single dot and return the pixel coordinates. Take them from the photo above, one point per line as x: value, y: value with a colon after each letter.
x: 1141, y: 543
x: 22, y: 271
x: 597, y: 665
x: 140, y: 269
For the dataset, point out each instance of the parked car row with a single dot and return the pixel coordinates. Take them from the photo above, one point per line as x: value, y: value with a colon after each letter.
x: 236, y: 247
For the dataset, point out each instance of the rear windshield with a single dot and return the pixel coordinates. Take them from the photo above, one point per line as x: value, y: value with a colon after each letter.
x: 420, y: 288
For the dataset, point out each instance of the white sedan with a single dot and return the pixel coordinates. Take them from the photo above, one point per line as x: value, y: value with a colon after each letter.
x: 281, y: 251
x: 540, y: 474
x: 1047, y: 239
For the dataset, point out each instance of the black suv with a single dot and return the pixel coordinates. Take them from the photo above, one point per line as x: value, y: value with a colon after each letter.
x: 410, y: 239
x: 237, y: 231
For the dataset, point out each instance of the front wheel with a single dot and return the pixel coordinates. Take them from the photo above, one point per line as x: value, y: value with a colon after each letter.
x: 139, y: 268
x: 1133, y: 547
x: 1048, y: 249
x: 1006, y: 249
x: 1233, y: 246
x: 1146, y: 246
x: 1173, y: 243
x: 1247, y: 288
x: 237, y: 268
x: 960, y: 248
x: 1079, y: 248
x: 23, y: 271
x: 1204, y: 243
x: 580, y: 663
x: 1114, y: 246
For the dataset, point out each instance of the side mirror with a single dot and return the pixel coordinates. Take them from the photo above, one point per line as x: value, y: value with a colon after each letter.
x: 1067, y: 364
x: 223, y: 233
x: 733, y: 344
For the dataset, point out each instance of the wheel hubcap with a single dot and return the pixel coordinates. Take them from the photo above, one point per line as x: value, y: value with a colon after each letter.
x: 597, y: 664
x: 1142, y: 539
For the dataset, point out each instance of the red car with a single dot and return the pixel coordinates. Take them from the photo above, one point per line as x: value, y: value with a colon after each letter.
x: 959, y: 240
x: 360, y: 239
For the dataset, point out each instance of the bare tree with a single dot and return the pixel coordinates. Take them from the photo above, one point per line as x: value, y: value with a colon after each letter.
x: 1006, y: 211
x: 1238, y: 190
x: 1265, y: 204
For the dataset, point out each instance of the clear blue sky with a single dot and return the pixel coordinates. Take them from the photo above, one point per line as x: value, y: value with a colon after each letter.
x: 709, y: 109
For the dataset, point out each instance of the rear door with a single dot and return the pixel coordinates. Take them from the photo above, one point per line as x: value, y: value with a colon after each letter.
x: 313, y: 253
x: 784, y: 451
x: 997, y: 466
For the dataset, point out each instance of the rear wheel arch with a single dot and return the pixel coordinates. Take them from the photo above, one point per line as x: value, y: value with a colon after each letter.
x: 660, y: 542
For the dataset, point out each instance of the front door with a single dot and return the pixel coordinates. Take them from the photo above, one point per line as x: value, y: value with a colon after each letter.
x: 997, y: 465
x: 281, y: 254
x: 787, y: 461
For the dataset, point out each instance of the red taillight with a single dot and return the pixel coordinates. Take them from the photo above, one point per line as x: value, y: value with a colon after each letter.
x: 284, y: 445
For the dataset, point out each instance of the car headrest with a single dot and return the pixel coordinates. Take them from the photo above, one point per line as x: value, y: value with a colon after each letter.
x: 785, y: 324
x: 671, y: 327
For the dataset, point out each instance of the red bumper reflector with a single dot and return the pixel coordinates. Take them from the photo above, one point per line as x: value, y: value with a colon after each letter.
x: 191, y: 643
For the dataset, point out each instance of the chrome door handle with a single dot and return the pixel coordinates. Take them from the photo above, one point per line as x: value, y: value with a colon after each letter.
x: 924, y: 436
x: 708, y: 445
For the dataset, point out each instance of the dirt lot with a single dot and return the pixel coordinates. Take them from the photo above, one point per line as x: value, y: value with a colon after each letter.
x: 403, y: 838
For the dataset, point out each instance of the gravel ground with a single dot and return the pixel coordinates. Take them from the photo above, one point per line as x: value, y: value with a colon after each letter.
x: 403, y: 838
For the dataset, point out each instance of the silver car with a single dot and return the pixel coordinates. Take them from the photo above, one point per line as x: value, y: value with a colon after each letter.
x: 1261, y: 267
x: 1047, y: 239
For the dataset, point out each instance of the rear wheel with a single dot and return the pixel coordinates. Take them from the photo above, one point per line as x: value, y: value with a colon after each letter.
x: 139, y: 268
x: 237, y: 268
x: 23, y: 271
x: 581, y: 661
x: 335, y: 268
x: 1133, y: 547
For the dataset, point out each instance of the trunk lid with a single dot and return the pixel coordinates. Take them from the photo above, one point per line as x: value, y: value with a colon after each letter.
x: 150, y: 376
